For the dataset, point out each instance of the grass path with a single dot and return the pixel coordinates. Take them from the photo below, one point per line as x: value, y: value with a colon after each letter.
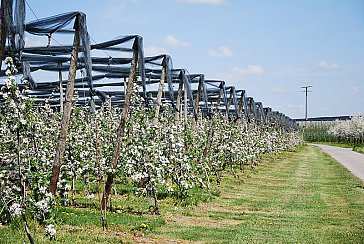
x: 305, y: 197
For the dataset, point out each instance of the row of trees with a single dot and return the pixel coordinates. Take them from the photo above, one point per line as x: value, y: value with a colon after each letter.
x: 158, y: 154
x: 349, y: 131
x: 341, y: 131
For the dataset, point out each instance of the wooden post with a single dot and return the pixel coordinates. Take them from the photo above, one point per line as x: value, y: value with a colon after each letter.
x: 178, y: 102
x: 159, y: 95
x: 66, y: 114
x: 60, y: 88
x: 121, y: 130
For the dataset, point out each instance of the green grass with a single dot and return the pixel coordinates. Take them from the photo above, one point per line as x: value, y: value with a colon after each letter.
x: 302, y: 196
x: 337, y: 144
x: 356, y: 147
x: 359, y: 149
x: 305, y: 197
x: 84, y: 226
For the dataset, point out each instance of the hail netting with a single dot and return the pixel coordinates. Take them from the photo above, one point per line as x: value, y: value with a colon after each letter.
x: 225, y: 93
x: 169, y: 66
x: 56, y: 24
x: 118, y: 64
x: 204, y: 92
x: 214, y: 91
x: 187, y: 84
x: 200, y: 78
x: 19, y: 25
x: 14, y: 28
x: 138, y: 46
x: 153, y: 74
x: 105, y: 66
x: 114, y: 66
x: 235, y: 101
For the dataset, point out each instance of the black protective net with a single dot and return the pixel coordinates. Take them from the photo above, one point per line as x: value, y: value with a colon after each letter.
x: 104, y: 68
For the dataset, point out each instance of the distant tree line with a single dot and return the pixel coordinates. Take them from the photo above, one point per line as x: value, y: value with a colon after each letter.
x: 345, y: 131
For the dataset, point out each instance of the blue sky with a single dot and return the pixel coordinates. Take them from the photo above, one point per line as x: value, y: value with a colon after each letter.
x: 269, y: 48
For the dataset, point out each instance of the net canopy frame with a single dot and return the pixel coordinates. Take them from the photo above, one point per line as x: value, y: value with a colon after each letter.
x: 103, y: 69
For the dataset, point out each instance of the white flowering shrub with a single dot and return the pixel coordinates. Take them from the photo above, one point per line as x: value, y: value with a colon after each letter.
x: 351, y: 131
x: 50, y: 231
x: 166, y: 157
x: 340, y: 131
x: 25, y: 157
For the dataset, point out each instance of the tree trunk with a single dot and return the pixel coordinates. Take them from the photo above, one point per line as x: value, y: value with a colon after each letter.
x: 121, y: 131
x: 156, y: 207
x: 210, y: 139
x: 26, y: 229
x: 73, y: 188
x: 66, y: 115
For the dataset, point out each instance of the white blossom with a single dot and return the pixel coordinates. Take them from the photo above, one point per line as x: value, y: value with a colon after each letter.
x: 50, y: 231
x: 15, y: 209
x: 90, y: 196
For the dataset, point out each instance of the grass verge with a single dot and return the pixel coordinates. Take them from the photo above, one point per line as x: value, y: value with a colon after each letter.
x: 359, y: 149
x: 356, y: 147
x: 300, y: 197
x: 303, y: 197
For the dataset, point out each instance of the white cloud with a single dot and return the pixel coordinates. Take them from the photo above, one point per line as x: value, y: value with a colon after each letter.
x: 355, y: 89
x: 239, y: 73
x: 36, y: 42
x: 220, y: 52
x: 212, y: 2
x: 250, y: 70
x: 154, y: 51
x: 173, y: 41
x: 325, y: 65
x: 279, y: 90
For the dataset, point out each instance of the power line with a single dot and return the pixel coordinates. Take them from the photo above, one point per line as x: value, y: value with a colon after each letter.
x: 31, y: 9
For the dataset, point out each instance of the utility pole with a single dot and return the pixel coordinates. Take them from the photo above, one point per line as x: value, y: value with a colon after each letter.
x: 306, y: 91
